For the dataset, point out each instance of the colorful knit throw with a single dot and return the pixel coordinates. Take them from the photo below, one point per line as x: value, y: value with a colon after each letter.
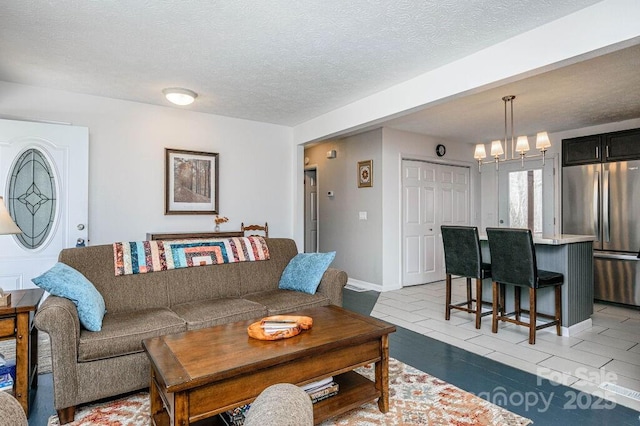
x: 140, y: 257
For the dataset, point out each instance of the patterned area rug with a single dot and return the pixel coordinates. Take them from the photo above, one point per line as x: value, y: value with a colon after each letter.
x: 416, y: 399
x: 8, y: 350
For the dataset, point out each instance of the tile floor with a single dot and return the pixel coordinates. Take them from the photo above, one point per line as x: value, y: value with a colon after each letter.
x: 608, y: 352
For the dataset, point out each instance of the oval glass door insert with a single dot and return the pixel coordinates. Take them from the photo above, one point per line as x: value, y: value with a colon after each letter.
x: 32, y: 199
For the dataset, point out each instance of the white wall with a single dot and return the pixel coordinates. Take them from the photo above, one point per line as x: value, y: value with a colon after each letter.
x: 126, y: 162
x: 358, y: 243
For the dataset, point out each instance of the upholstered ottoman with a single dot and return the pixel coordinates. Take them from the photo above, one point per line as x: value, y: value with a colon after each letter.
x: 283, y: 404
x: 11, y: 412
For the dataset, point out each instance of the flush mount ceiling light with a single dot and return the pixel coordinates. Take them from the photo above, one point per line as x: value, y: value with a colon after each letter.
x: 519, y: 145
x: 180, y: 96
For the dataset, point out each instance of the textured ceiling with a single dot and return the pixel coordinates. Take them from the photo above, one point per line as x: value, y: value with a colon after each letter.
x: 601, y: 90
x: 277, y: 61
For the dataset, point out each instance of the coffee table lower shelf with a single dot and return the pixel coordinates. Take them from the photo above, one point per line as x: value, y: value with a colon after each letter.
x: 354, y: 390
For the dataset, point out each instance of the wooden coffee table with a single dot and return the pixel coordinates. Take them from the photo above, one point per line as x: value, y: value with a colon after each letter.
x: 198, y: 374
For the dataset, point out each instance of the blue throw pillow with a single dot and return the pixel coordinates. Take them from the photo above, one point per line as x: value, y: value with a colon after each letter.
x: 304, y: 271
x: 64, y: 281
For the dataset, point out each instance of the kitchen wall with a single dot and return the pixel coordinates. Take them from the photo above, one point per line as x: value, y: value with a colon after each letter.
x: 488, y: 187
x: 126, y: 161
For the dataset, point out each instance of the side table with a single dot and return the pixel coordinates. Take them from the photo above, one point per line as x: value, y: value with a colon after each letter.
x: 16, y: 321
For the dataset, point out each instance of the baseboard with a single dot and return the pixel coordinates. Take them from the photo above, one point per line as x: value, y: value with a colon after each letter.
x: 363, y: 285
x: 577, y: 328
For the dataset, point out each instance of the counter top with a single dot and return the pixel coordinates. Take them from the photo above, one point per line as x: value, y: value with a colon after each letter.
x: 556, y: 240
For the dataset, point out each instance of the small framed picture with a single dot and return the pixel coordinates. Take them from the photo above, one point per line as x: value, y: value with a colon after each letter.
x: 191, y: 182
x: 365, y: 174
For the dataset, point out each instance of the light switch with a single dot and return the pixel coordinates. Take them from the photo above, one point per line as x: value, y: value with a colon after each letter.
x: 362, y: 215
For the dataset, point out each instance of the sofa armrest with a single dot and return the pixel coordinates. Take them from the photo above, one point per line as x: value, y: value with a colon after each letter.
x: 331, y: 285
x: 58, y: 317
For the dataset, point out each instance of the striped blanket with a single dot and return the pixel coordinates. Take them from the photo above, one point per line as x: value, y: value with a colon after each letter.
x: 140, y: 257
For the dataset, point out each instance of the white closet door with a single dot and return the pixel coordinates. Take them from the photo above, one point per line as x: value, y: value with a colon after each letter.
x: 433, y: 195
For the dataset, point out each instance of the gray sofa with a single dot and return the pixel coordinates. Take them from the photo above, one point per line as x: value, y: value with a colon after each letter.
x: 88, y: 366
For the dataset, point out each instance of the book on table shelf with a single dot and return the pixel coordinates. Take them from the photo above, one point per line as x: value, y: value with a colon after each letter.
x: 6, y: 382
x: 309, y: 387
x: 9, y: 367
x: 321, y: 389
x: 323, y: 397
x: 236, y: 416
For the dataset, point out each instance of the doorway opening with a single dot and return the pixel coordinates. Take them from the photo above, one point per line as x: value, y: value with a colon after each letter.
x: 311, y: 240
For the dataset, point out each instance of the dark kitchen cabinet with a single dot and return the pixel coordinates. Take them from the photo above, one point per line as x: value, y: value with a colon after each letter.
x: 582, y: 150
x: 614, y: 146
x: 623, y: 145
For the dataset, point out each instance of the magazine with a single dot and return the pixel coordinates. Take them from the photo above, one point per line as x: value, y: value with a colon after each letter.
x: 6, y: 382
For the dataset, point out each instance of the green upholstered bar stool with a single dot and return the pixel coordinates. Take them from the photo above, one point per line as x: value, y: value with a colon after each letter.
x: 513, y: 262
x: 463, y: 258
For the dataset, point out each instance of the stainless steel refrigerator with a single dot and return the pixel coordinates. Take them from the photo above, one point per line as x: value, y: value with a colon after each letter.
x: 604, y: 200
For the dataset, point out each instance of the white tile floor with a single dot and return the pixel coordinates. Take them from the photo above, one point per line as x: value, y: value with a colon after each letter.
x: 609, y: 352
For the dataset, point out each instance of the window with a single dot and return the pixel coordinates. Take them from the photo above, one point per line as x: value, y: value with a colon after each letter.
x: 525, y: 199
x: 32, y: 197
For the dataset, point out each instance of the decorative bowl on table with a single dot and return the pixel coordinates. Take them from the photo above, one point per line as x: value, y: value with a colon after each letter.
x: 278, y: 327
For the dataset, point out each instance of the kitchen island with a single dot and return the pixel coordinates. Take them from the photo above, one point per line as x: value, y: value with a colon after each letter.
x: 571, y: 255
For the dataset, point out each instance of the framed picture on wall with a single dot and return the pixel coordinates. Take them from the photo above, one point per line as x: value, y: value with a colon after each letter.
x: 365, y: 174
x: 191, y: 182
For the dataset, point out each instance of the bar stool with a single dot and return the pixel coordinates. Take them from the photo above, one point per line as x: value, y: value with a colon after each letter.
x: 513, y: 262
x: 463, y: 257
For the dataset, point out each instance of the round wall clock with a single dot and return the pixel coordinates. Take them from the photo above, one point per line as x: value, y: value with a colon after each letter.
x: 441, y: 150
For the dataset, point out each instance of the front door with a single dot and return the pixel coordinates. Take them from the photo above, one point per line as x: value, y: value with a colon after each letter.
x: 44, y: 182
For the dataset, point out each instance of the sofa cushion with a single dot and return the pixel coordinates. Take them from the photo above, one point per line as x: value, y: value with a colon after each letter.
x: 283, y: 301
x: 64, y: 281
x: 121, y: 294
x: 123, y: 332
x: 204, y: 282
x: 207, y: 313
x: 305, y: 270
x: 265, y: 275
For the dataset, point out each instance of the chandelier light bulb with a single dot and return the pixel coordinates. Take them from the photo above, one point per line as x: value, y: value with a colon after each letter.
x: 522, y: 144
x: 496, y: 148
x: 542, y: 141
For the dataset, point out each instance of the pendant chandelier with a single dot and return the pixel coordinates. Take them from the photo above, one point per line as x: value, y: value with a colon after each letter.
x: 518, y: 145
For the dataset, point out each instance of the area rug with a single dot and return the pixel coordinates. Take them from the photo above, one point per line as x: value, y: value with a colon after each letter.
x: 8, y: 350
x: 415, y: 399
